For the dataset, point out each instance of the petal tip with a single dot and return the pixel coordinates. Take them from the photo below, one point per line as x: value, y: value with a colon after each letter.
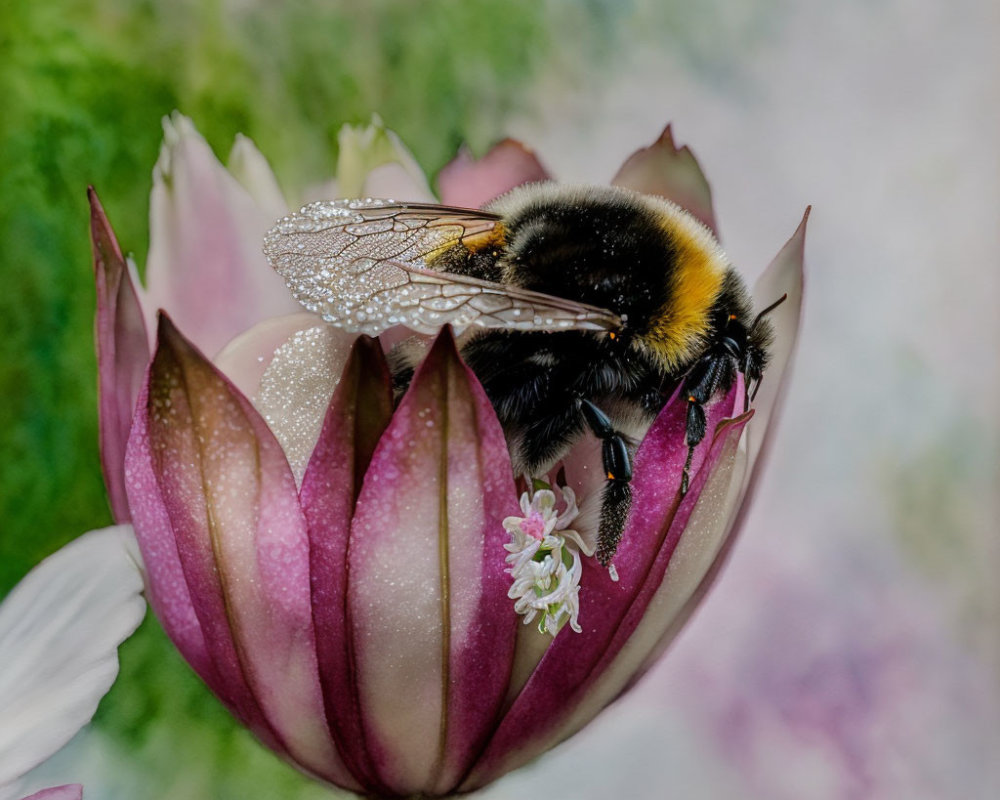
x: 107, y: 252
x: 169, y: 339
x: 664, y: 169
x: 470, y: 182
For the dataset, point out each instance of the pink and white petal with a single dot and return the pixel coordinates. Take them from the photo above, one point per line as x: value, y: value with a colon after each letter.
x: 122, y: 352
x: 222, y: 491
x: 783, y: 276
x: 69, y: 791
x: 245, y: 359
x: 169, y: 593
x: 658, y: 613
x: 427, y: 598
x: 358, y: 414
x: 60, y: 629
x: 660, y: 448
x: 374, y: 162
x: 249, y: 166
x: 205, y: 264
x: 672, y: 172
x: 468, y: 182
x: 671, y: 599
x: 295, y: 389
x: 609, y: 611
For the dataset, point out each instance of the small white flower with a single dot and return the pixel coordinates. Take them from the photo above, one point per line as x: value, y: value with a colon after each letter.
x: 544, y: 559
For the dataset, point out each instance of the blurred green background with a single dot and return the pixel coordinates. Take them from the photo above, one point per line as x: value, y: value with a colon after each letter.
x: 852, y: 649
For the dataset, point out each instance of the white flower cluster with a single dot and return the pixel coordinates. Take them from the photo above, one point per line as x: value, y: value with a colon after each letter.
x: 544, y: 558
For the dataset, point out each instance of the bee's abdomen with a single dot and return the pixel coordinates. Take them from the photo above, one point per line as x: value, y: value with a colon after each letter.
x: 696, y: 281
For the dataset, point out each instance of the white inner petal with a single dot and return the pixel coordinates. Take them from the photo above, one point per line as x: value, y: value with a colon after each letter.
x: 296, y: 388
x: 60, y: 629
x: 245, y: 358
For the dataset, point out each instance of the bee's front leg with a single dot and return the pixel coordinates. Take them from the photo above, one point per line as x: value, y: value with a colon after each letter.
x: 716, y: 370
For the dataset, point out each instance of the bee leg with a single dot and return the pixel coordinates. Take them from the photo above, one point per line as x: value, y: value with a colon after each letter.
x: 617, y: 499
x: 694, y: 433
x: 615, y: 505
x: 700, y: 386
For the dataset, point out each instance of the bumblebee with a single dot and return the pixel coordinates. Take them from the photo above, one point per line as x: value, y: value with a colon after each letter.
x: 585, y: 308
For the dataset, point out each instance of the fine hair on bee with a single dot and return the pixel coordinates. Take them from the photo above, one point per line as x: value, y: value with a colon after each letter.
x: 584, y: 309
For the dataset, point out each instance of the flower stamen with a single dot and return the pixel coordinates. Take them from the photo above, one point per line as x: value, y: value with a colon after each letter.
x: 544, y: 558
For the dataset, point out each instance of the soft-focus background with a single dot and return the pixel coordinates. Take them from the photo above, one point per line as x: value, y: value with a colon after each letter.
x: 852, y: 647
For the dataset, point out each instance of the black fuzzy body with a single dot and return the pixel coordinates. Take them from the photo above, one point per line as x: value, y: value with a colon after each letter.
x: 619, y: 251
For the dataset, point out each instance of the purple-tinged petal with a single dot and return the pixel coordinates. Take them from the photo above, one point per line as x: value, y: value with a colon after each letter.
x: 70, y: 791
x: 544, y: 712
x: 245, y: 359
x: 358, y: 414
x: 205, y: 263
x: 217, y: 516
x: 433, y: 628
x: 704, y: 547
x: 669, y: 171
x: 468, y: 182
x: 783, y: 276
x: 247, y: 164
x: 667, y: 602
x: 60, y: 629
x: 122, y: 352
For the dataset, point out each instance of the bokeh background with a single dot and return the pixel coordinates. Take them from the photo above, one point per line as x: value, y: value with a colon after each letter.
x: 852, y: 646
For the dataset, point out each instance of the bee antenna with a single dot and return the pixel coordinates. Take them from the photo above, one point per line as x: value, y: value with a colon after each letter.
x: 769, y: 309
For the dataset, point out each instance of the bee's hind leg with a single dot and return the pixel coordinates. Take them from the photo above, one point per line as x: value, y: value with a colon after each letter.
x: 617, y: 499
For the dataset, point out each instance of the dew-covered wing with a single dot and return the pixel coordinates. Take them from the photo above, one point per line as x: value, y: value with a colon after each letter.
x: 362, y: 265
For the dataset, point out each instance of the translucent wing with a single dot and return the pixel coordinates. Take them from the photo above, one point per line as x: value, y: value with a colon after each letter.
x: 362, y: 266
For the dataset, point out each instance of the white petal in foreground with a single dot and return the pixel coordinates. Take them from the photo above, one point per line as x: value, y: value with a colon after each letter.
x: 60, y: 629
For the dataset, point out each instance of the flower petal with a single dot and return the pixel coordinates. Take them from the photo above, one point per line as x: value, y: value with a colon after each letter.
x: 783, y: 276
x: 248, y: 165
x: 468, y: 182
x: 218, y: 520
x: 358, y: 414
x: 122, y: 352
x: 374, y: 162
x: 245, y: 359
x: 296, y: 387
x: 543, y: 713
x: 70, y: 791
x: 205, y: 265
x: 60, y: 629
x: 668, y: 171
x: 427, y: 597
x: 667, y: 601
